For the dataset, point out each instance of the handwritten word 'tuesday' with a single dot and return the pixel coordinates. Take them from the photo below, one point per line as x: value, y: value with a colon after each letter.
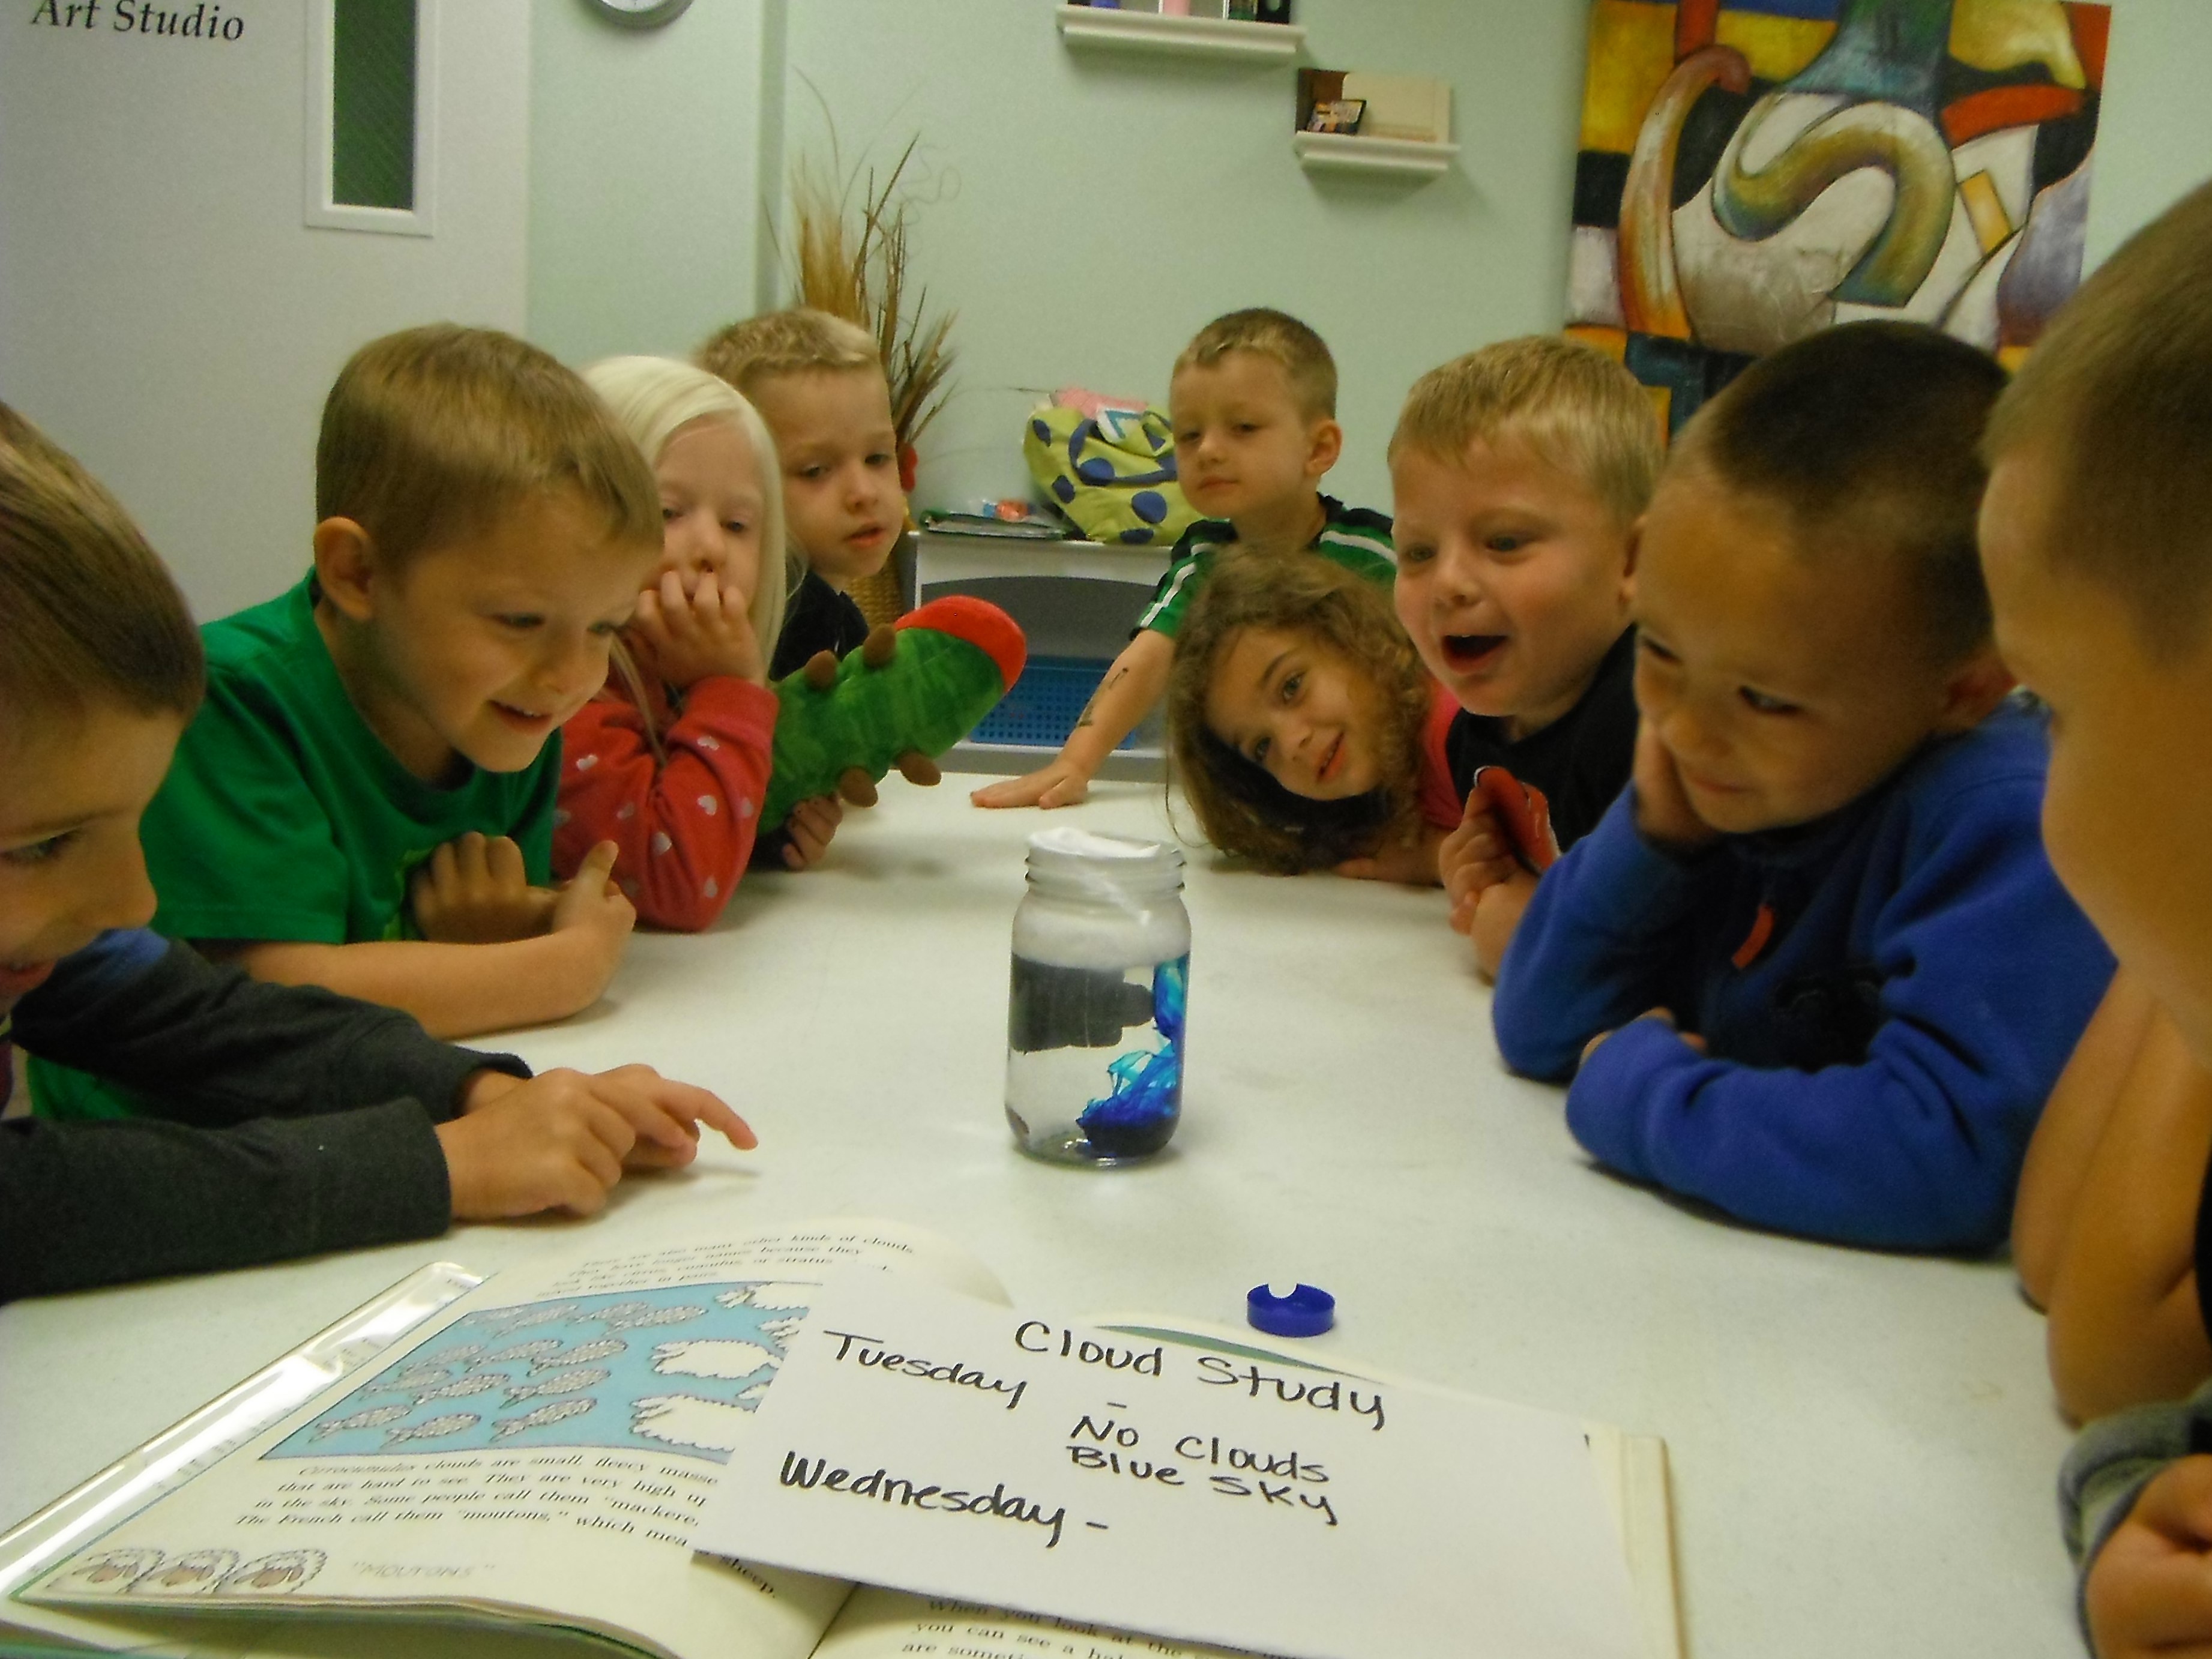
x: 853, y: 1349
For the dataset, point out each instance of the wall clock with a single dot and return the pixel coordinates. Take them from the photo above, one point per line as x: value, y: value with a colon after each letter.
x: 638, y: 14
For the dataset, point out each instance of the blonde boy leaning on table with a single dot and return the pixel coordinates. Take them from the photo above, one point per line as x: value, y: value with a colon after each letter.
x: 2097, y: 540
x: 281, y: 1120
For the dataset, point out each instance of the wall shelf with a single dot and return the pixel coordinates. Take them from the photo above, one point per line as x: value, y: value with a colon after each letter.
x: 1351, y: 153
x: 1111, y: 29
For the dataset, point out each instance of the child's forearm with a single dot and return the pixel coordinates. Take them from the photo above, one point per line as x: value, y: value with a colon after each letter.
x: 2125, y: 1326
x: 1497, y: 915
x: 1132, y: 686
x: 454, y: 990
x: 93, y: 1204
x: 686, y: 828
x: 1871, y: 1155
x: 2067, y: 1135
x: 1600, y: 942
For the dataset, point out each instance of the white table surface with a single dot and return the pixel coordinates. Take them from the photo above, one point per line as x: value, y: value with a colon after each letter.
x: 1863, y: 1446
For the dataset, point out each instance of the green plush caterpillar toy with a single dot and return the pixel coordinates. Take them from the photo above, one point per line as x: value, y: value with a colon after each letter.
x: 912, y: 691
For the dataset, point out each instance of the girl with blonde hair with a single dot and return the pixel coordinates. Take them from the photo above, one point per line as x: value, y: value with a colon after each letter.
x: 672, y: 760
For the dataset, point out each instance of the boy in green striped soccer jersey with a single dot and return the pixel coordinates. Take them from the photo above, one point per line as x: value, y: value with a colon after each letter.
x: 1253, y: 404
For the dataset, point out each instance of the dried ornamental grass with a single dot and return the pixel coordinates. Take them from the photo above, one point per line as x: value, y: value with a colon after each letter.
x: 852, y: 263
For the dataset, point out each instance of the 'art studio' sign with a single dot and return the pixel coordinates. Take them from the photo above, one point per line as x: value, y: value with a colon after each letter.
x: 199, y: 22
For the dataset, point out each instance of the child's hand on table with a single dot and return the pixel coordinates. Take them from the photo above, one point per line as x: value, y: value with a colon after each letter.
x: 1473, y: 858
x: 2150, y: 1588
x: 689, y: 637
x: 560, y: 1140
x: 1414, y: 862
x: 473, y: 891
x: 1664, y: 1015
x: 1056, y: 784
x: 593, y: 919
x: 1663, y: 812
x: 808, y: 829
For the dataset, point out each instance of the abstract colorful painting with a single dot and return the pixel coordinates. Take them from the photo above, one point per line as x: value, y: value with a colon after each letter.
x: 1752, y: 170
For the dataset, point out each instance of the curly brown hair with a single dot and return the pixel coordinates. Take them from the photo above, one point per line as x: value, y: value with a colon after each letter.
x: 1243, y: 811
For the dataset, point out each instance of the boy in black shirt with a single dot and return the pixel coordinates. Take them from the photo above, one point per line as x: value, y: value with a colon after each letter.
x: 1518, y: 473
x: 316, y: 1122
x: 818, y: 381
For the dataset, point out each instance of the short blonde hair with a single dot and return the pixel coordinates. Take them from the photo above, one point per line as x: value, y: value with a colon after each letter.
x: 799, y: 341
x: 2117, y: 398
x: 655, y: 398
x: 91, y: 615
x: 432, y: 433
x: 1280, y: 336
x: 1570, y: 404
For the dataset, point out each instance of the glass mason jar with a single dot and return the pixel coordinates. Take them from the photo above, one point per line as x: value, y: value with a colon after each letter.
x: 1095, y: 1016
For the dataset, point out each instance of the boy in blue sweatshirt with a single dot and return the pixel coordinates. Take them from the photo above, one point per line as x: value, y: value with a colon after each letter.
x: 1813, y: 966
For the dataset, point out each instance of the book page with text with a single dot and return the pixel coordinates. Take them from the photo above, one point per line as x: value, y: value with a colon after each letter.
x: 538, y: 1450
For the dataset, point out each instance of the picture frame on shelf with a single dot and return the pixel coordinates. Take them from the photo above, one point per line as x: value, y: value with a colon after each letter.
x: 1336, y: 115
x: 1359, y: 121
x: 1409, y: 108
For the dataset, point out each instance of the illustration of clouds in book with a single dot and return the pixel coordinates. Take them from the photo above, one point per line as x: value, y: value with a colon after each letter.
x: 112, y: 1570
x: 273, y: 1574
x: 673, y: 1369
x: 215, y: 1571
x: 691, y: 1423
x: 193, y: 1571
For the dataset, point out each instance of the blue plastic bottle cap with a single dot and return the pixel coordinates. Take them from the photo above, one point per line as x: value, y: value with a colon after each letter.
x: 1306, y: 1311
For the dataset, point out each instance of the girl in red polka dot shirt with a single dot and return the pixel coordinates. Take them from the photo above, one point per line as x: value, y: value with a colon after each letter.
x: 671, y: 760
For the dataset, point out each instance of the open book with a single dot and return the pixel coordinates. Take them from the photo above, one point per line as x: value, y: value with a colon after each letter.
x: 517, y: 1464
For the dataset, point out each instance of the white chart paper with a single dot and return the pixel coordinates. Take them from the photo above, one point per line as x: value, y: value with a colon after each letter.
x: 930, y: 1443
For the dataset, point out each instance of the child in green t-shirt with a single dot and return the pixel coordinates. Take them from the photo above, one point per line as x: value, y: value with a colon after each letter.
x: 365, y: 801
x: 282, y: 1120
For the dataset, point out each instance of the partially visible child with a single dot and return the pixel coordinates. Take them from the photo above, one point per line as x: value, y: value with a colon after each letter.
x: 2104, y: 1232
x: 365, y: 800
x: 671, y: 759
x: 2097, y: 538
x: 291, y: 1121
x: 1518, y: 473
x: 1252, y: 404
x: 818, y: 382
x: 1826, y: 871
x: 1303, y: 729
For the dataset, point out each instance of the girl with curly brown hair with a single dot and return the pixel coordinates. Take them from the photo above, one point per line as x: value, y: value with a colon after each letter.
x: 1302, y: 726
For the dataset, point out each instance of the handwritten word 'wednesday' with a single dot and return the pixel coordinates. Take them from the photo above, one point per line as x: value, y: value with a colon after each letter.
x: 899, y: 1492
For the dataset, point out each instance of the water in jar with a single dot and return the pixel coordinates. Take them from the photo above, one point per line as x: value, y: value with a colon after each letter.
x: 1094, y: 1059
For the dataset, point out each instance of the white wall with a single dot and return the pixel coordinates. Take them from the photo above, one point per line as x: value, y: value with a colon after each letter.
x: 647, y: 155
x: 1096, y: 210
x: 163, y: 311
x: 2154, y: 128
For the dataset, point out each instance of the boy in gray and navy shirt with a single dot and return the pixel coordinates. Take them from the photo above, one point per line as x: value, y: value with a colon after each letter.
x: 1253, y: 404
